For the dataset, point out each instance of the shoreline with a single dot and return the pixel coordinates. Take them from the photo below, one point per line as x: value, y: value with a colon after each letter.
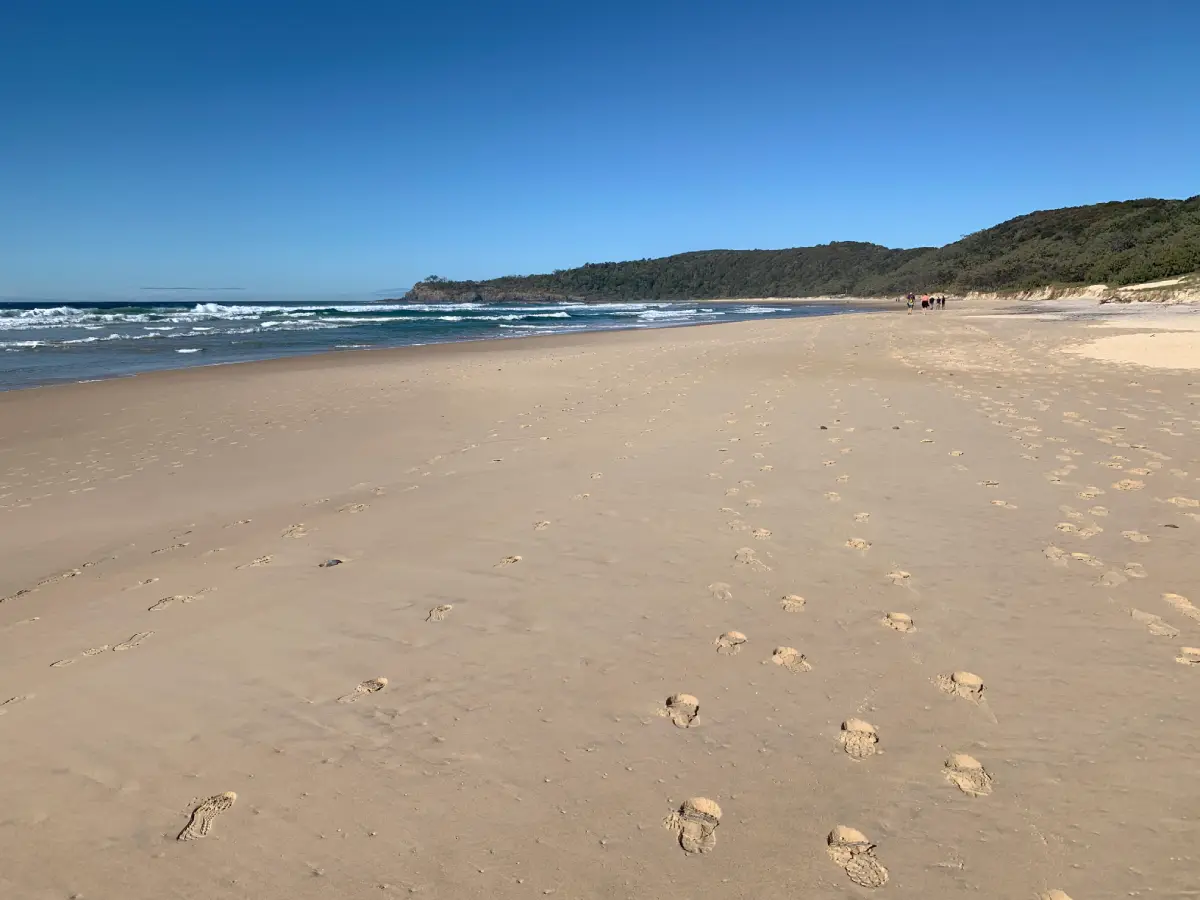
x: 330, y: 351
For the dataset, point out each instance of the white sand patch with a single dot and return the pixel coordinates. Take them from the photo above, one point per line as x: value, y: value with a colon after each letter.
x: 1150, y: 285
x: 1164, y: 350
x: 1168, y: 318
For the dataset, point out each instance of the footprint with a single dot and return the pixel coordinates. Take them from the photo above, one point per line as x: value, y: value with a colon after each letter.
x: 682, y: 710
x: 1188, y: 656
x: 988, y: 483
x: 580, y: 496
x: 858, y: 544
x: 1003, y: 504
x: 170, y: 548
x: 507, y: 561
x: 792, y: 603
x: 1129, y: 484
x: 695, y: 823
x: 899, y: 621
x: 1136, y: 536
x: 861, y: 517
x: 1067, y: 528
x: 1183, y: 502
x: 730, y: 643
x: 237, y: 523
x: 1184, y: 605
x: 254, y: 563
x: 133, y: 641
x: 1056, y: 555
x: 1134, y: 570
x: 1110, y: 579
x: 370, y: 686
x: 352, y: 508
x: 859, y: 739
x: 899, y: 576
x: 1089, y: 493
x: 167, y: 601
x: 748, y: 557
x: 956, y: 453
x: 754, y: 503
x: 596, y: 476
x: 720, y: 591
x: 791, y: 659
x: 63, y: 662
x: 541, y: 526
x: 1155, y: 625
x: 13, y: 701
x: 438, y: 613
x: 968, y: 775
x: 142, y: 583
x: 1054, y: 894
x: 205, y: 814
x: 761, y: 534
x: 833, y: 496
x: 294, y: 531
x: 967, y: 685
x: 842, y: 479
x: 850, y: 849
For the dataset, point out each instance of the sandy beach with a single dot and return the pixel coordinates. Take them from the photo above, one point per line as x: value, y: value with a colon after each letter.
x: 418, y: 622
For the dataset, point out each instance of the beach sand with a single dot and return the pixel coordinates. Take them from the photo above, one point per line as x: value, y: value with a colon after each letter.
x: 541, y: 544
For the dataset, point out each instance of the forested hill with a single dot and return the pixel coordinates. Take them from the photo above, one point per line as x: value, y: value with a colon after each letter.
x: 1108, y: 243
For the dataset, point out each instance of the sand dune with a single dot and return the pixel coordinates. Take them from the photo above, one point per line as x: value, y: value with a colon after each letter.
x: 875, y: 594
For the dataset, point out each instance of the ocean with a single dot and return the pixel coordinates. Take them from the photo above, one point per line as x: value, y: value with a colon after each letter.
x: 47, y: 343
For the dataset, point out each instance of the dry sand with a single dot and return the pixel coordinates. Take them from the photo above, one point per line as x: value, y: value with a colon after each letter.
x: 1170, y: 337
x: 540, y: 542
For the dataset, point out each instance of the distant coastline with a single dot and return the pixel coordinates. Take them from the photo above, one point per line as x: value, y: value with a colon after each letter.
x: 1098, y: 249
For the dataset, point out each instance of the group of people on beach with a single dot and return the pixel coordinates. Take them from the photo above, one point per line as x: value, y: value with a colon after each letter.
x: 927, y: 302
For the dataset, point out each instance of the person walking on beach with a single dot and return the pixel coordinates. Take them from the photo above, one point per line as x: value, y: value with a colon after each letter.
x: 911, y: 302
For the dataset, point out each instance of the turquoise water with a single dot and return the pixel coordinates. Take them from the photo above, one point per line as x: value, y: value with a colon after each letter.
x: 44, y: 343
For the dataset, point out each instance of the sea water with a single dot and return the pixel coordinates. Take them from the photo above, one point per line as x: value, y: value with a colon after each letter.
x: 45, y: 343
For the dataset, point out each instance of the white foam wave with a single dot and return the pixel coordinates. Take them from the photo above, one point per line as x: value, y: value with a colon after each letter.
x: 657, y: 315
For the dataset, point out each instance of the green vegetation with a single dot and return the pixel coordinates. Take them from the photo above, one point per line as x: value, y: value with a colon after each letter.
x: 1108, y: 243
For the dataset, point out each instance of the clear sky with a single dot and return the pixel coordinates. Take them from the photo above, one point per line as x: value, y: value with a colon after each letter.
x: 306, y: 147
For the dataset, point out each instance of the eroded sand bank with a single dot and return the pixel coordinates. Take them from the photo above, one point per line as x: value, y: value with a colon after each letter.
x: 922, y: 577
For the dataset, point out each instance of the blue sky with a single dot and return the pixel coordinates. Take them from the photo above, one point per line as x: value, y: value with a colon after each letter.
x: 318, y: 148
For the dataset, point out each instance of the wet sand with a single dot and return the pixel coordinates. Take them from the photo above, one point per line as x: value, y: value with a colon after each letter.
x: 924, y: 577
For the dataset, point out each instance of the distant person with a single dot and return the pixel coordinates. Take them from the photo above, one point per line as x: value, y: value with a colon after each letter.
x: 924, y: 304
x: 911, y: 303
